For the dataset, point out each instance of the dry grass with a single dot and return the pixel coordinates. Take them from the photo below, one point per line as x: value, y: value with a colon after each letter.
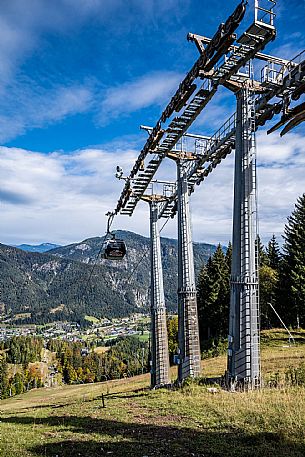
x: 70, y: 420
x: 101, y: 349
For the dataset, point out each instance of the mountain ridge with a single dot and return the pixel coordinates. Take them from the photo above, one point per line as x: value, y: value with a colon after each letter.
x: 55, y: 285
x: 42, y: 247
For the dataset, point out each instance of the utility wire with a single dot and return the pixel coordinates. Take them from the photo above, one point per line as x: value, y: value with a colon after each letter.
x: 138, y: 264
x: 132, y: 272
x: 145, y: 254
x: 109, y: 222
x: 85, y: 289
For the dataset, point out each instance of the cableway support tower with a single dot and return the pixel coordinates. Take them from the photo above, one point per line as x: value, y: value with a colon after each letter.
x: 225, y: 60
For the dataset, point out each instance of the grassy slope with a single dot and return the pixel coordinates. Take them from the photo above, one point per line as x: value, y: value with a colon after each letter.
x: 70, y: 421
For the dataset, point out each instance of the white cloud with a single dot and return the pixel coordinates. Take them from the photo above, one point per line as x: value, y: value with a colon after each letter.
x: 56, y: 196
x: 10, y: 39
x: 151, y: 89
x: 64, y: 197
x: 25, y: 29
x: 23, y: 22
x: 38, y: 107
x: 277, y: 151
x: 289, y: 50
x: 281, y: 171
x: 68, y: 100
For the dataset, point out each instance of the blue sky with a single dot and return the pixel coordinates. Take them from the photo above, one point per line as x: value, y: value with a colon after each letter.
x: 78, y: 77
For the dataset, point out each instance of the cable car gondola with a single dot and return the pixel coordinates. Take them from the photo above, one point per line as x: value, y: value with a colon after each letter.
x: 114, y: 249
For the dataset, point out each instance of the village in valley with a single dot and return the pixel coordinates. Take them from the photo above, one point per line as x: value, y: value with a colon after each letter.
x: 99, y: 331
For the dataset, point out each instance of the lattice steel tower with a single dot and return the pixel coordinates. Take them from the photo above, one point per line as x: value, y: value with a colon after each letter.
x: 160, y: 371
x: 243, y: 352
x: 188, y: 331
x: 224, y: 60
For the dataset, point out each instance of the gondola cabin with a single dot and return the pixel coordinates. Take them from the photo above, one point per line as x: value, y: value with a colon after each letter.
x: 114, y: 249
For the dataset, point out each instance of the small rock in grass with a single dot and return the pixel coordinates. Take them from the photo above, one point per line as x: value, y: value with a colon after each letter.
x: 212, y: 390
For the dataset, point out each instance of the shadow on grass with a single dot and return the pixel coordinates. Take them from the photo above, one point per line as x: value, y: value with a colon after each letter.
x: 122, y: 395
x: 104, y: 437
x: 134, y: 393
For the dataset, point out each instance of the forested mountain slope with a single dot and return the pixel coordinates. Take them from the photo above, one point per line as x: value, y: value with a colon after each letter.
x: 56, y: 285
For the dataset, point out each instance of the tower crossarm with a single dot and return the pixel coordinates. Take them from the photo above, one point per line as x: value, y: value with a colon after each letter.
x: 189, y: 100
x: 210, y: 153
x: 213, y: 152
x: 259, y: 55
x: 280, y: 84
x: 221, y: 41
x: 249, y: 44
x: 275, y: 66
x: 282, y: 90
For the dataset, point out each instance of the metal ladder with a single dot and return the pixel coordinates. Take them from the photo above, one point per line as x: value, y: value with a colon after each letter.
x: 265, y: 14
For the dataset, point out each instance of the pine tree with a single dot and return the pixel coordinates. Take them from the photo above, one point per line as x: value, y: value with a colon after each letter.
x: 274, y: 254
x: 18, y: 382
x: 268, y: 284
x: 4, y: 381
x: 292, y: 275
x: 228, y: 262
x: 172, y: 332
x: 229, y: 257
x: 203, y: 293
x: 213, y: 297
x: 69, y: 374
x: 262, y: 255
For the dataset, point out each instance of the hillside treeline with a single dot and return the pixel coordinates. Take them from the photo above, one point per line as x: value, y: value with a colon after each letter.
x: 281, y: 275
x: 72, y: 363
x: 127, y: 357
x: 63, y: 285
x: 16, y: 373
